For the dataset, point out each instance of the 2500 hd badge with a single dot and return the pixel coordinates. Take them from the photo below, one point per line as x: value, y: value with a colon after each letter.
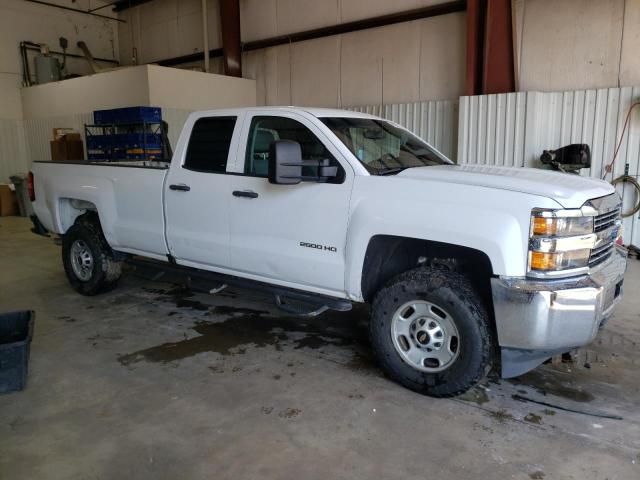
x: 318, y: 246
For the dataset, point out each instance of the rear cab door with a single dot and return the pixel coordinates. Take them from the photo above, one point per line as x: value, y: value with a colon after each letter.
x: 198, y: 190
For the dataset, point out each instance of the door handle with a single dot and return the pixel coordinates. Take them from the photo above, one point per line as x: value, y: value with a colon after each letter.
x: 245, y: 193
x: 180, y: 187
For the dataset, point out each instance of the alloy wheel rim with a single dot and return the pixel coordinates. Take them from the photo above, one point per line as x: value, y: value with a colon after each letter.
x: 81, y: 260
x: 425, y: 336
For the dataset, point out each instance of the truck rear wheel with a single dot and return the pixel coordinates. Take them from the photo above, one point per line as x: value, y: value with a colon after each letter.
x: 88, y: 260
x: 430, y: 332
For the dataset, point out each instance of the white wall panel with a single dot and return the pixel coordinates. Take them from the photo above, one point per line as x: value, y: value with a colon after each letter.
x: 13, y: 153
x: 515, y: 128
x: 435, y: 121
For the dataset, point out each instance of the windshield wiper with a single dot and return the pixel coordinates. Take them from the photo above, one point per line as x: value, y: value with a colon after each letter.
x: 391, y: 171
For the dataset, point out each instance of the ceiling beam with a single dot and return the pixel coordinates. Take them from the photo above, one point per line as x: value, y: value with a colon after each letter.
x: 123, y: 5
x: 374, y: 22
x: 76, y: 10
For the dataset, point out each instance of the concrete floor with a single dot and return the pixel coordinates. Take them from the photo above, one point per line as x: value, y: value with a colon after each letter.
x: 147, y: 382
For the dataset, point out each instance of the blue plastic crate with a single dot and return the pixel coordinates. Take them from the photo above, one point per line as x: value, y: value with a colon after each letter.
x: 139, y: 139
x: 127, y: 115
x: 98, y: 142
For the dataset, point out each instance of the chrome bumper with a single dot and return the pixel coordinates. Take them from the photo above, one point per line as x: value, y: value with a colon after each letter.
x: 537, y: 318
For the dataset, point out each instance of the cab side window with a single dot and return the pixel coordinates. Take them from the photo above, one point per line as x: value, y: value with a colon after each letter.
x: 265, y: 130
x: 209, y: 145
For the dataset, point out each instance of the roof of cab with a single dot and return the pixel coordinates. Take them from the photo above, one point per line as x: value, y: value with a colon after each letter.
x: 316, y: 112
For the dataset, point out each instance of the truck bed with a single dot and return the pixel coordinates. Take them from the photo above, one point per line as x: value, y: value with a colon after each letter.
x: 155, y: 164
x: 128, y: 196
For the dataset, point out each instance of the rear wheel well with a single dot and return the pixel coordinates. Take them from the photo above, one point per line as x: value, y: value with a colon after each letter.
x: 388, y: 256
x: 69, y: 209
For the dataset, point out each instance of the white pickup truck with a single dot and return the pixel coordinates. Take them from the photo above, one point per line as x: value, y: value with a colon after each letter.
x: 466, y: 267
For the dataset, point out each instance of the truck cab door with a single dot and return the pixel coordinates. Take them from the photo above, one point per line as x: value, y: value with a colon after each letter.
x: 292, y: 235
x: 198, y: 192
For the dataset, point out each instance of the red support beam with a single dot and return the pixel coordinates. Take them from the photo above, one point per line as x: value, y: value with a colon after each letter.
x: 490, y: 58
x: 498, y: 69
x: 476, y: 10
x: 231, y: 48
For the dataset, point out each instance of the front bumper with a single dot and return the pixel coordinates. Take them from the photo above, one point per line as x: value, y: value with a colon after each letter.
x: 536, y: 318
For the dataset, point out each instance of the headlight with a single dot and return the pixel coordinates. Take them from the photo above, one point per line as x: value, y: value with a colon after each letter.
x: 561, y: 226
x: 543, y: 261
x: 560, y: 240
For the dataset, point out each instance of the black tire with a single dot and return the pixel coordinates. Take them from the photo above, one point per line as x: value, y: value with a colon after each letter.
x: 448, y: 290
x: 105, y: 271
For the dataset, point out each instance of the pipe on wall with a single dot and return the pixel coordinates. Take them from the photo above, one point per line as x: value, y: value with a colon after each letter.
x: 205, y: 35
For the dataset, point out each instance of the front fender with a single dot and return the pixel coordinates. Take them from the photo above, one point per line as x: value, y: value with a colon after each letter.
x: 495, y: 222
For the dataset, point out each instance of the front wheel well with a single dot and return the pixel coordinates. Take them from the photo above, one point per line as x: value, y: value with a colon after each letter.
x: 388, y: 256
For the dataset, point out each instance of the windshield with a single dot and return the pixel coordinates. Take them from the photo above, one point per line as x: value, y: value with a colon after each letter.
x: 381, y: 147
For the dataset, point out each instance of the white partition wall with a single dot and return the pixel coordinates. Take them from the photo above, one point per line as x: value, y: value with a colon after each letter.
x: 70, y: 103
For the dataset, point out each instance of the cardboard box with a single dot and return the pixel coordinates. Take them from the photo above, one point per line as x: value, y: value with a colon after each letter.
x: 67, y: 147
x: 8, y: 201
x: 58, y: 133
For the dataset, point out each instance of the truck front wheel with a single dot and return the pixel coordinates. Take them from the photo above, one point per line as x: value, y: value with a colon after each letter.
x: 430, y: 332
x: 88, y: 260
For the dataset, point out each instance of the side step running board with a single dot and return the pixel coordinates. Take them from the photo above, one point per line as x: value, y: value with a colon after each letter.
x: 212, y: 283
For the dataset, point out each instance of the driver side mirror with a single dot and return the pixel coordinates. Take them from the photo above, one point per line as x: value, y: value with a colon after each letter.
x: 285, y: 164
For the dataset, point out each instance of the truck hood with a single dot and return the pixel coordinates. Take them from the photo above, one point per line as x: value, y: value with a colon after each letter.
x: 570, y: 191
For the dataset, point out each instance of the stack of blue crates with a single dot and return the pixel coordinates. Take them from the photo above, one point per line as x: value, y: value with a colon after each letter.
x: 127, y: 133
x: 127, y: 115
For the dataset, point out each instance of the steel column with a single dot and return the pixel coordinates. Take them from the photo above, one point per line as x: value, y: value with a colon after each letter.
x: 498, y: 69
x: 476, y: 10
x: 490, y: 58
x: 231, y: 47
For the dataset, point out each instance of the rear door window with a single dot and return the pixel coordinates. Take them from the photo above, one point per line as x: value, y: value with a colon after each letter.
x: 208, y: 149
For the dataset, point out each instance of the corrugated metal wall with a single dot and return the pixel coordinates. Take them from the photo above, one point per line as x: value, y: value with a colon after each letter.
x: 515, y: 128
x: 436, y: 121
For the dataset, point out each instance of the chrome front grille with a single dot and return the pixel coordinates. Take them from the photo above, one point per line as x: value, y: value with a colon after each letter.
x: 606, y: 220
x: 606, y: 226
x: 599, y: 255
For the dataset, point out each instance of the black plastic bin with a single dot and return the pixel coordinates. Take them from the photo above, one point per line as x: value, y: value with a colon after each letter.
x: 16, y: 332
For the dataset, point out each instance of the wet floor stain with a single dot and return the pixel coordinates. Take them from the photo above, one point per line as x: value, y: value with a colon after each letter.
x: 248, y: 327
x: 547, y: 382
x: 289, y: 413
x: 533, y: 418
x: 476, y: 395
x: 501, y: 416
